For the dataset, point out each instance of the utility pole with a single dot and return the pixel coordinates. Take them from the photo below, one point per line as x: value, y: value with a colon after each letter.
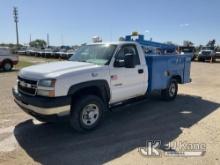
x: 61, y: 39
x: 48, y: 40
x: 30, y: 38
x: 15, y: 13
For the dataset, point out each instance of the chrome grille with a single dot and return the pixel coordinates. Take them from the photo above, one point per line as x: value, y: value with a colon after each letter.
x: 26, y: 86
x: 206, y: 53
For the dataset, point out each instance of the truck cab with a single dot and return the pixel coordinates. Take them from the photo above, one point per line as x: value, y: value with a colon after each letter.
x: 96, y: 78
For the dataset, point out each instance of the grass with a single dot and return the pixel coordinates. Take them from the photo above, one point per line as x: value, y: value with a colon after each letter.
x: 23, y: 64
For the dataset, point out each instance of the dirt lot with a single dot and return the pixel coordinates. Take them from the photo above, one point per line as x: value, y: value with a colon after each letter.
x: 193, y: 118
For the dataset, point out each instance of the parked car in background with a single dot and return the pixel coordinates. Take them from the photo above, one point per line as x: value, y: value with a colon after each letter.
x: 217, y: 52
x: 217, y: 55
x: 7, y: 59
x: 188, y: 50
x: 31, y: 51
x: 60, y: 53
x: 67, y: 54
x: 40, y: 52
x: 22, y: 51
x: 63, y: 52
x: 47, y: 52
x: 207, y: 53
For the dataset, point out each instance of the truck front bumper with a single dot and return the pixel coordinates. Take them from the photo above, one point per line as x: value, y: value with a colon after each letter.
x: 205, y: 57
x: 42, y: 106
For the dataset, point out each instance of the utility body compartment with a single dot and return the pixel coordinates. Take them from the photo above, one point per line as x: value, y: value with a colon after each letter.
x: 161, y: 68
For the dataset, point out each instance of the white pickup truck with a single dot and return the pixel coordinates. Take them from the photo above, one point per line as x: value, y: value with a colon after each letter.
x: 96, y: 78
x: 7, y: 59
x: 207, y: 53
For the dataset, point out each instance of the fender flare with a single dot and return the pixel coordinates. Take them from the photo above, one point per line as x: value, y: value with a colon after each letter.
x: 178, y: 78
x: 7, y: 60
x: 102, y: 85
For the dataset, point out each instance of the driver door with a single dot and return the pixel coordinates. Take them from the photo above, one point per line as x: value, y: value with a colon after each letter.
x: 125, y: 82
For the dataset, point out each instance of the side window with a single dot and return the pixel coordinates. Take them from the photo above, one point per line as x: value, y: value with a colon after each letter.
x: 128, y: 49
x: 4, y: 52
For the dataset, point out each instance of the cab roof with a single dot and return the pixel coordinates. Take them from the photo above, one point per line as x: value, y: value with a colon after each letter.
x: 113, y: 43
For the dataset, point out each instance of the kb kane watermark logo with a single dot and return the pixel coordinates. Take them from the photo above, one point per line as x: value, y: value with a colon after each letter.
x: 177, y: 149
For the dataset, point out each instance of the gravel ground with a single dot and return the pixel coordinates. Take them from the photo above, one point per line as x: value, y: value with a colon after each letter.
x: 192, y: 118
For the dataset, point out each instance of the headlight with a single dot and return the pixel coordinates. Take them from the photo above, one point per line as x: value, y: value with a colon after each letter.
x: 47, y: 83
x: 46, y: 87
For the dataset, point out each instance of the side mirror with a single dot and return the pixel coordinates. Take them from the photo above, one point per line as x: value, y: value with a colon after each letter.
x: 119, y: 63
x: 129, y: 60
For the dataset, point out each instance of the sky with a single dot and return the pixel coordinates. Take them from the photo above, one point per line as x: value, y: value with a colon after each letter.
x: 70, y: 22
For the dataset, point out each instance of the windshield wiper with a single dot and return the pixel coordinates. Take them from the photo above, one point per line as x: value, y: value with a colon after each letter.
x: 82, y: 61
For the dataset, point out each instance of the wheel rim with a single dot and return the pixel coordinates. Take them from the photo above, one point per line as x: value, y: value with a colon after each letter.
x: 7, y: 66
x: 172, y: 89
x: 90, y: 114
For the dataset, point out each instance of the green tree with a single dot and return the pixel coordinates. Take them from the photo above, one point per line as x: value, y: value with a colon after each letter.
x: 211, y: 43
x: 188, y: 43
x: 38, y: 43
x: 121, y: 39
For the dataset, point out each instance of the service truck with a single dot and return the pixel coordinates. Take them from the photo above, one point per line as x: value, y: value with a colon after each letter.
x: 96, y: 78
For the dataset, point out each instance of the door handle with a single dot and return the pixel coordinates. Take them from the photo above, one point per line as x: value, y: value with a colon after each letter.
x: 140, y: 71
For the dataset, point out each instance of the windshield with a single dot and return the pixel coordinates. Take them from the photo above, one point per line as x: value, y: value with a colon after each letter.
x: 187, y: 50
x: 99, y: 54
x: 207, y: 48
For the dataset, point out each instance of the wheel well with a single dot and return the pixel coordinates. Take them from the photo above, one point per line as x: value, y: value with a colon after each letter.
x: 177, y: 78
x: 99, y: 88
x: 7, y: 60
x: 92, y: 90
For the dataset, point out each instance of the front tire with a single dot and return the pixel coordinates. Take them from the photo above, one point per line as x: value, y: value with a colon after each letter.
x: 7, y: 66
x: 201, y: 59
x: 213, y: 59
x: 86, y: 113
x: 170, y: 93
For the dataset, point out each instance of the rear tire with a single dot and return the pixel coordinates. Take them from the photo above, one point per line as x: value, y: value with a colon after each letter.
x: 86, y: 113
x: 199, y: 59
x: 193, y: 58
x: 7, y: 66
x: 213, y: 59
x: 170, y: 93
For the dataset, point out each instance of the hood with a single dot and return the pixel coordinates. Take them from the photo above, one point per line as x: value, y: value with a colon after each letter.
x: 53, y: 69
x: 206, y: 50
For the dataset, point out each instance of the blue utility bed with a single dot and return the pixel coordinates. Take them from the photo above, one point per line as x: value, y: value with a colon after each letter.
x: 161, y: 68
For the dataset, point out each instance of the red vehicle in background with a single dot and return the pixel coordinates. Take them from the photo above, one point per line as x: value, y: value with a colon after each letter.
x: 7, y: 59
